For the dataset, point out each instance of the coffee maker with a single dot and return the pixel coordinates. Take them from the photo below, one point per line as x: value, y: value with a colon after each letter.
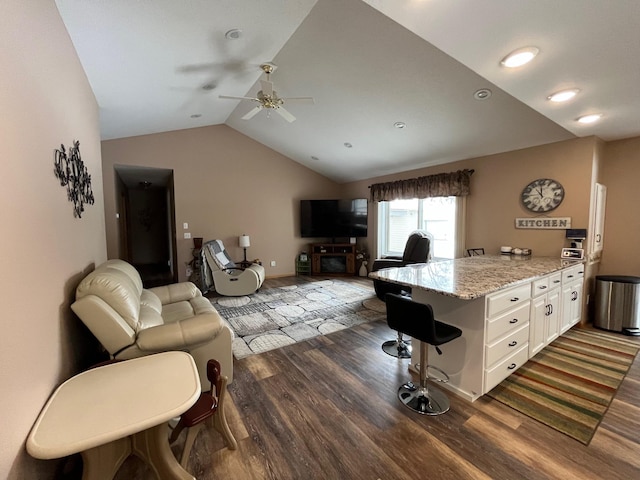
x: 575, y: 236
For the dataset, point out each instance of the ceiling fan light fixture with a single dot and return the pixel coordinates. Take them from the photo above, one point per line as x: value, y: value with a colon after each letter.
x: 591, y: 118
x: 519, y: 57
x: 563, y: 95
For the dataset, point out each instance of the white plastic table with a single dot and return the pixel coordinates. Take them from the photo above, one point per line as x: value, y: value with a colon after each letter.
x: 120, y: 409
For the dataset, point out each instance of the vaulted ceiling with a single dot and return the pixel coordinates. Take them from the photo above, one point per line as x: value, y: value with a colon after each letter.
x: 161, y: 65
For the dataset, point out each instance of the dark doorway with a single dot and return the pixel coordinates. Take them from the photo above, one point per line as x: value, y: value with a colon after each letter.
x: 147, y: 222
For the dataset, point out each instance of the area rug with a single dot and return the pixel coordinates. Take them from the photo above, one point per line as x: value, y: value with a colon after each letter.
x: 570, y: 383
x: 276, y: 317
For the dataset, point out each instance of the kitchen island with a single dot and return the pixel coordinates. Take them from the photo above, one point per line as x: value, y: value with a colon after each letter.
x: 508, y: 308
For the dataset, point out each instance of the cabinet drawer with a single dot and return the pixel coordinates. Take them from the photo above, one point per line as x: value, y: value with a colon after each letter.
x: 506, y: 346
x: 539, y: 286
x: 507, y: 322
x: 501, y: 301
x: 573, y: 273
x: 555, y: 280
x: 494, y: 375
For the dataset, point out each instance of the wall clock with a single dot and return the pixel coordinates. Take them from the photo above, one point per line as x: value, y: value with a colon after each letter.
x: 542, y: 195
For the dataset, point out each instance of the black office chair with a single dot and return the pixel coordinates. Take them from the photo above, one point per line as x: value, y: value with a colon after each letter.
x: 417, y: 320
x: 416, y: 250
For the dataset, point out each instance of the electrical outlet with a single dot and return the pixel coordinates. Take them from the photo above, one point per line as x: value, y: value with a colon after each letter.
x: 185, y: 225
x: 187, y: 235
x: 273, y: 263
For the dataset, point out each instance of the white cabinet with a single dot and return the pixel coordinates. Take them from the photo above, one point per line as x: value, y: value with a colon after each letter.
x: 572, y: 288
x: 597, y: 234
x: 544, y: 321
x: 506, y: 333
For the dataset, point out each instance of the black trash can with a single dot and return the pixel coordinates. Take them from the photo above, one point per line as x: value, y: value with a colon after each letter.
x: 618, y: 303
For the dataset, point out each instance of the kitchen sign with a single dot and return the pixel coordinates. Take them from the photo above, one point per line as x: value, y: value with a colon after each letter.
x: 558, y: 223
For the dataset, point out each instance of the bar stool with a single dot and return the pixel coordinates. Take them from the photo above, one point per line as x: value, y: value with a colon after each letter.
x: 416, y: 320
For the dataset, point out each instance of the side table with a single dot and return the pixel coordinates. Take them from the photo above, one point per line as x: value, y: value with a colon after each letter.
x: 111, y: 412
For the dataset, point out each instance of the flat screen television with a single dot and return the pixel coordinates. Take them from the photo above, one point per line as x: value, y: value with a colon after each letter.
x: 333, y: 218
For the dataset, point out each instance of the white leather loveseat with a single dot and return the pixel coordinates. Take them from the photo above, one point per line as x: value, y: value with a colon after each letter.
x: 131, y: 321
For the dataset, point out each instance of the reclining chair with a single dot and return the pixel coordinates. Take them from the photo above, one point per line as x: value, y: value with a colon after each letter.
x: 226, y: 278
x: 417, y: 250
x: 130, y: 321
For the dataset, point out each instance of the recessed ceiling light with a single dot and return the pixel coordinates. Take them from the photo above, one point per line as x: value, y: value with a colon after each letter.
x: 519, y: 57
x: 196, y: 115
x: 348, y: 145
x: 400, y: 125
x: 313, y: 157
x: 233, y: 34
x: 563, y: 95
x: 594, y: 117
x: 482, y: 94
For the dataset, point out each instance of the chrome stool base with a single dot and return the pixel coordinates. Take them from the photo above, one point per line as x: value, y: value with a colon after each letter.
x: 424, y: 400
x: 398, y: 349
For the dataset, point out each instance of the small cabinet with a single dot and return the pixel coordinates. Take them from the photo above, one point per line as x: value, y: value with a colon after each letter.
x: 506, y: 333
x: 597, y: 235
x: 333, y: 259
x: 572, y: 290
x: 544, y: 323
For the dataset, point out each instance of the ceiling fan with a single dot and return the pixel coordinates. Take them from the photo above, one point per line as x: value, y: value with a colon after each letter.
x: 268, y: 98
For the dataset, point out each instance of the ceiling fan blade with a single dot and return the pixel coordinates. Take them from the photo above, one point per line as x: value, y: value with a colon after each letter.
x: 285, y: 114
x: 238, y: 98
x: 267, y: 87
x: 252, y: 113
x: 299, y: 99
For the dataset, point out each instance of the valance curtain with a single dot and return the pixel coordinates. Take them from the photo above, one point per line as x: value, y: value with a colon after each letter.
x: 454, y: 184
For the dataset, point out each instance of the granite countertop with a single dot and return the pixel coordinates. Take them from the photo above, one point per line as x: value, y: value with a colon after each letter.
x: 472, y: 277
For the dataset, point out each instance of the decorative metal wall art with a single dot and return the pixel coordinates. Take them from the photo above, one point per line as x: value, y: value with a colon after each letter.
x: 72, y: 173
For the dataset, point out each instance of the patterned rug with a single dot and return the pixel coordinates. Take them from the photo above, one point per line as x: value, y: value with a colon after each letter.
x: 570, y: 383
x: 276, y: 317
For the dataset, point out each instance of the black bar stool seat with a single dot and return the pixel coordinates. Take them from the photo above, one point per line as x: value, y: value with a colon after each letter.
x: 417, y: 320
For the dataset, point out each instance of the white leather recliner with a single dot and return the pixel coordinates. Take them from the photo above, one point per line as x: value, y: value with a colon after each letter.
x: 226, y: 278
x: 131, y: 321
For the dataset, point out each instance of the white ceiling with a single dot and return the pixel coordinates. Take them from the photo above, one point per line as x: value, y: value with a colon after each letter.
x: 368, y: 64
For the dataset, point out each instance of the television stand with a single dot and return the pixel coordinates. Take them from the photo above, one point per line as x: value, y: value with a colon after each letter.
x: 333, y: 258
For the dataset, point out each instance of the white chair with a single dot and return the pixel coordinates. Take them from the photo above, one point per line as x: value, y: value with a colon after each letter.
x: 226, y: 278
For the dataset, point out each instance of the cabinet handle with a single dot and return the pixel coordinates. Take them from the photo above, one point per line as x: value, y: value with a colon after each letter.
x: 512, y: 366
x: 513, y: 320
x: 569, y: 276
x: 598, y: 237
x: 542, y: 287
x: 556, y: 281
x: 513, y: 344
x: 515, y: 299
x: 574, y: 296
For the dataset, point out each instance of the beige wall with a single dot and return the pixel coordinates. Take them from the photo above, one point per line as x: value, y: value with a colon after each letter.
x: 45, y: 100
x: 496, y: 185
x: 621, y: 176
x: 225, y: 185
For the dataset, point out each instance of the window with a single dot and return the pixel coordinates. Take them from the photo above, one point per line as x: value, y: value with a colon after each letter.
x: 442, y: 217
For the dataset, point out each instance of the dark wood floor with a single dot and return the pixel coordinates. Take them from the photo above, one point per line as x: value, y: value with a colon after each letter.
x: 327, y: 409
